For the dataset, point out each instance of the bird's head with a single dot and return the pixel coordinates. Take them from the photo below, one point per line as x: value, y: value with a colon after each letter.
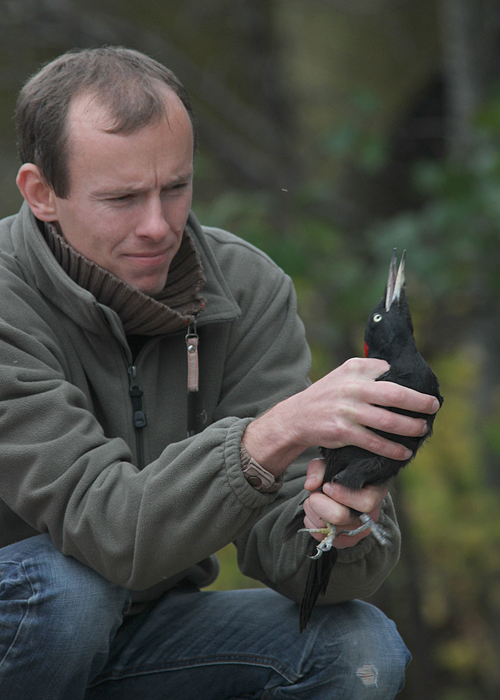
x: 390, y: 327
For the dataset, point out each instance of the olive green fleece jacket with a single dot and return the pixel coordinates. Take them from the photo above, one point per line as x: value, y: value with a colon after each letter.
x: 68, y: 443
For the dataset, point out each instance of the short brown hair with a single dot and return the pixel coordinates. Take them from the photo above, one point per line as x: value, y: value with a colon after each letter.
x: 126, y: 82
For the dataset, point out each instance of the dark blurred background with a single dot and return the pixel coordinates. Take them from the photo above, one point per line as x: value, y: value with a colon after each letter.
x: 332, y: 131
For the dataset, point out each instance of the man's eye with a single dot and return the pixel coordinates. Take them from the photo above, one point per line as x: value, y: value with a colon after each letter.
x: 178, y: 187
x: 122, y: 198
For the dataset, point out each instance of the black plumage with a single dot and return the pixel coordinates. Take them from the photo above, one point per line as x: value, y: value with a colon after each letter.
x: 388, y: 336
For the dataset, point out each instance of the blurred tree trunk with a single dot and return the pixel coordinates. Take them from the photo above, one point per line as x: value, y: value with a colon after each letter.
x: 459, y: 19
x: 470, y: 29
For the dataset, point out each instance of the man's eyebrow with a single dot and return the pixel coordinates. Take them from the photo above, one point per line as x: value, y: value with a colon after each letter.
x: 116, y: 192
x: 180, y: 180
x: 125, y: 190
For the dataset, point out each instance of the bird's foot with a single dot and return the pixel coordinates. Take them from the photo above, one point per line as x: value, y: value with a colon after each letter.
x: 325, y: 545
x: 368, y: 524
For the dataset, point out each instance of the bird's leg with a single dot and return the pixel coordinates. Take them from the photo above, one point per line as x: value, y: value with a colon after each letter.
x: 327, y: 543
x: 368, y: 524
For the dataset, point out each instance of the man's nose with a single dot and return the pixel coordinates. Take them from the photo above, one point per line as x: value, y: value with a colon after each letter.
x: 152, y: 223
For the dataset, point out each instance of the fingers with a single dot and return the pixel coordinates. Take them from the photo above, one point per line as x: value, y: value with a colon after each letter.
x: 353, y: 429
x: 397, y: 396
x: 350, y: 432
x: 357, y: 402
x: 395, y: 423
x: 388, y: 393
x: 366, y: 400
x: 364, y: 501
x: 372, y: 442
x: 320, y: 508
x: 354, y: 434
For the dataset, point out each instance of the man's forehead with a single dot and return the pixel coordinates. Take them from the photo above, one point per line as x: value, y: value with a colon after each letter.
x: 94, y: 145
x: 86, y: 109
x: 93, y: 110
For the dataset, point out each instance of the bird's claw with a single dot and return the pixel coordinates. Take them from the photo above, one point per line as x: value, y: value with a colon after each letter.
x: 368, y: 524
x: 331, y: 532
x: 327, y: 543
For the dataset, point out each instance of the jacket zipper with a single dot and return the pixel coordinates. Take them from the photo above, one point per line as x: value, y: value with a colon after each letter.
x: 139, y: 417
x: 136, y: 394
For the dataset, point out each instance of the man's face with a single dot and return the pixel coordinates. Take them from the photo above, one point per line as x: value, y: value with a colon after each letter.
x: 130, y: 195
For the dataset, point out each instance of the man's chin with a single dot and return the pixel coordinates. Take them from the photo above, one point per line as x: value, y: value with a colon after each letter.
x: 149, y: 287
x: 151, y: 291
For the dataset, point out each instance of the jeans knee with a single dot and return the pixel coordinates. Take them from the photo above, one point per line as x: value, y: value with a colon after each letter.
x: 378, y: 636
x: 367, y: 645
x: 55, y: 602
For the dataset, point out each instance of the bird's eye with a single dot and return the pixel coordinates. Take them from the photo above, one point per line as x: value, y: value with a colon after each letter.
x: 377, y: 318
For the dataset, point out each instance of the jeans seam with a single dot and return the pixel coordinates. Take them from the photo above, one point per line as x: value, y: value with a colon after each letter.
x: 28, y: 606
x: 216, y: 660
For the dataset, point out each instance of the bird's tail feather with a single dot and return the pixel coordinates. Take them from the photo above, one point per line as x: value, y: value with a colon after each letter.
x: 317, y: 582
x: 319, y: 571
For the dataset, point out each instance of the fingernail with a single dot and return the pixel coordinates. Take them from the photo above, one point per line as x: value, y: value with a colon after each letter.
x: 435, y: 406
x: 408, y: 454
x: 425, y: 429
x: 328, y: 488
x: 310, y: 481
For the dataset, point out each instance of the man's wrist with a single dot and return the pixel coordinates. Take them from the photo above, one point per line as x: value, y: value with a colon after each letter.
x: 270, y: 440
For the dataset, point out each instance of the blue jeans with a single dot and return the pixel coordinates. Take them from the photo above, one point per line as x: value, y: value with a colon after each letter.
x: 63, y: 636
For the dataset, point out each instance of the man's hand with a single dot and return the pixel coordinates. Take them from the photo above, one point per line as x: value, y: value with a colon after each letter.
x: 338, y: 410
x: 332, y: 505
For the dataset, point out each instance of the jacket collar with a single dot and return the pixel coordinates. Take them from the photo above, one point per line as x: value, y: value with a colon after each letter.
x: 220, y: 302
x: 175, y: 307
x: 82, y: 306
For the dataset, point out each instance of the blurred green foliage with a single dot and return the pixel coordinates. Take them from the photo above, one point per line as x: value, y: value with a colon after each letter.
x: 454, y: 237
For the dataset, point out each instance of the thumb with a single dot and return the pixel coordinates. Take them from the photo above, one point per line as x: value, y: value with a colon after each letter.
x: 315, y: 473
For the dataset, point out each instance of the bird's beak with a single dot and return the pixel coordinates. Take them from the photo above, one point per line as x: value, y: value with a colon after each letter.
x: 395, y: 280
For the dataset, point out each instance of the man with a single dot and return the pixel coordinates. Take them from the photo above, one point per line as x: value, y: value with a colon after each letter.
x: 118, y: 312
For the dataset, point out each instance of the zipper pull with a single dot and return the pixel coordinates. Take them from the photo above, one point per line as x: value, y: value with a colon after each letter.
x: 192, y: 358
x: 192, y: 377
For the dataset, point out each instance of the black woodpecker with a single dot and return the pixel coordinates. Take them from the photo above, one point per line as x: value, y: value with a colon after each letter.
x: 389, y: 337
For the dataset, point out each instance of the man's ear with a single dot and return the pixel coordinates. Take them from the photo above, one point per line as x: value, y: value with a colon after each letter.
x: 39, y: 196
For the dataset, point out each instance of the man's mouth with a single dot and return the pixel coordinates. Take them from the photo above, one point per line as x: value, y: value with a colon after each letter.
x: 151, y: 257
